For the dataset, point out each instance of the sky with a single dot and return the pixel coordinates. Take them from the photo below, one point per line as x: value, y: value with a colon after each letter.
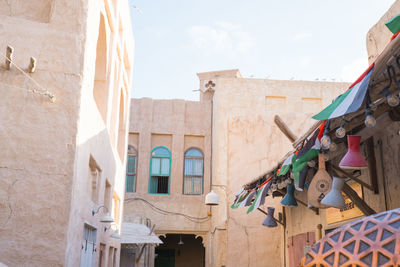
x: 274, y: 39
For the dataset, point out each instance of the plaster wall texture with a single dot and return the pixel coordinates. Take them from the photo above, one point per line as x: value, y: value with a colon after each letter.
x: 178, y: 125
x: 246, y: 144
x: 379, y: 35
x: 45, y: 147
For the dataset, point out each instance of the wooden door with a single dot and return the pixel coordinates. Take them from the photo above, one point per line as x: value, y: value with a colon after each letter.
x: 298, y: 245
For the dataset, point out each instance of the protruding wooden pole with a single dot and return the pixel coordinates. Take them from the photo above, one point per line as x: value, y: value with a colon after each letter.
x: 9, y: 56
x: 319, y: 231
x: 306, y: 134
x: 284, y: 128
x: 32, y: 65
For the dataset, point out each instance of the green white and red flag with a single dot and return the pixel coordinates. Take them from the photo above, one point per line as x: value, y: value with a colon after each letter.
x: 394, y: 24
x: 240, y: 198
x: 286, y: 165
x: 350, y: 101
x: 261, y: 195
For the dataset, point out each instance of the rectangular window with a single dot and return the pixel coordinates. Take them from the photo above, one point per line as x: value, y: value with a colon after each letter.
x: 159, y: 184
x: 160, y: 165
x: 131, y: 174
x: 159, y: 175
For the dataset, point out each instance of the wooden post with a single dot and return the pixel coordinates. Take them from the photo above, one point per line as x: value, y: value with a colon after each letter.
x: 9, y: 56
x: 299, y: 140
x: 343, y: 173
x: 359, y: 202
x: 319, y: 231
x: 140, y: 253
x: 372, y: 165
x: 284, y: 128
x: 32, y: 65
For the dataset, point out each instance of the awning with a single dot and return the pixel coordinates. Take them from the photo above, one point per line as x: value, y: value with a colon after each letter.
x: 134, y: 233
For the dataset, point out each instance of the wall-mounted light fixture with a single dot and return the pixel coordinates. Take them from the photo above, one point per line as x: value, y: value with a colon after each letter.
x: 106, y: 218
x: 212, y: 199
x: 116, y: 232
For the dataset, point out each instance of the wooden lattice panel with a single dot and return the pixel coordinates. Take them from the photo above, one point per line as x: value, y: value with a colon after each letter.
x: 370, y: 241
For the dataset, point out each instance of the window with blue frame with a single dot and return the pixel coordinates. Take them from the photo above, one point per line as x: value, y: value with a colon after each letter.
x: 130, y: 181
x: 193, y: 172
x: 160, y: 170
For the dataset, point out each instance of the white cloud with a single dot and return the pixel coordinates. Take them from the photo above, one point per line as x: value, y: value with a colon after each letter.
x: 354, y: 69
x: 224, y: 38
x: 306, y: 35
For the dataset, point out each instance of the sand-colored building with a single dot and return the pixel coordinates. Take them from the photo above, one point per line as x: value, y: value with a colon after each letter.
x: 231, y: 131
x: 62, y: 159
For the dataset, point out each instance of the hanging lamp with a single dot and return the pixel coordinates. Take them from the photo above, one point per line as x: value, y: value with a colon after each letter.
x: 180, y: 240
x: 335, y: 198
x: 289, y: 200
x: 353, y: 159
x: 270, y: 220
x: 212, y: 199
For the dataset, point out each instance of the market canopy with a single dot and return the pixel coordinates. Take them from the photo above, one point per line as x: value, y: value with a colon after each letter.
x: 134, y: 233
x: 360, y: 101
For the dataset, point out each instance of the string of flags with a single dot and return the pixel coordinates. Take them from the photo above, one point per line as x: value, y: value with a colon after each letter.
x: 299, y: 170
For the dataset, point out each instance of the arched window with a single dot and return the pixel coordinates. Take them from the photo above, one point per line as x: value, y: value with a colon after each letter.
x: 160, y: 170
x: 193, y: 172
x: 130, y: 184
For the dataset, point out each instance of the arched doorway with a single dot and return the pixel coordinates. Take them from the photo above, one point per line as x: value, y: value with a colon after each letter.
x: 180, y: 250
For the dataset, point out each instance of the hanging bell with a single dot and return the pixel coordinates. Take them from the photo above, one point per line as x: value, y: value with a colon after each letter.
x: 353, y: 158
x: 288, y: 199
x: 270, y: 220
x: 335, y: 198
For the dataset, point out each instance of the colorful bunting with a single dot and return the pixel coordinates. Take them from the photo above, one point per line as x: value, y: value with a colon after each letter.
x: 307, y: 153
x: 394, y: 24
x: 261, y: 194
x: 350, y: 101
x: 286, y: 166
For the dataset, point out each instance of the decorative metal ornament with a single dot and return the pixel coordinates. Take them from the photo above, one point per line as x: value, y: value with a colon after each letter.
x: 335, y: 198
x: 289, y: 199
x: 353, y: 159
x: 370, y: 241
x: 270, y: 220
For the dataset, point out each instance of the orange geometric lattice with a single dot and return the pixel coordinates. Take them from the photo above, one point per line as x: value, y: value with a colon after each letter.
x: 368, y: 242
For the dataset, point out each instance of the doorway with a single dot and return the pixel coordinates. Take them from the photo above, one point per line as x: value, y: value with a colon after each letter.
x: 180, y: 250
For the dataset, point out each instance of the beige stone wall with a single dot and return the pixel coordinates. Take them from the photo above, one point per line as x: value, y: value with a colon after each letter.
x: 379, y: 35
x: 246, y: 144
x: 103, y: 125
x: 178, y: 125
x: 45, y: 191
x: 37, y: 136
